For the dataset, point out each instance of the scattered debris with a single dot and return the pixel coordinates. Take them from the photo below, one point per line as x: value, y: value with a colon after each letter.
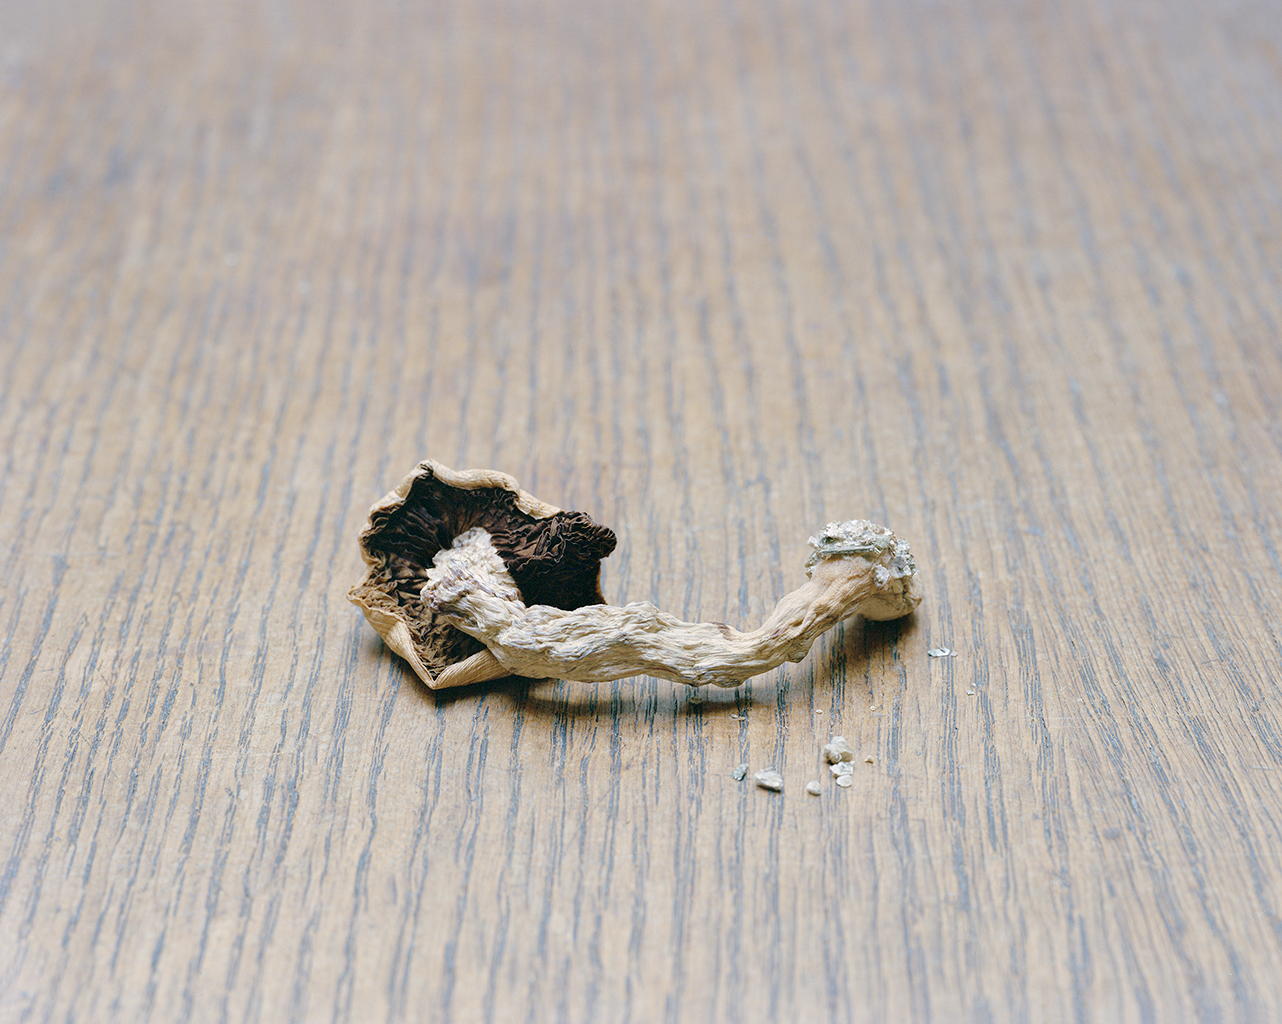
x: 770, y: 779
x: 812, y: 787
x: 842, y: 769
x: 846, y: 781
x: 837, y: 749
x: 740, y: 773
x: 869, y: 760
x: 970, y: 693
x: 942, y: 652
x: 817, y: 712
x: 738, y: 718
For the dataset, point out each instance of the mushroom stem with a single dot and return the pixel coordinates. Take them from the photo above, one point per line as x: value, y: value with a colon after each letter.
x: 479, y: 668
x: 857, y: 567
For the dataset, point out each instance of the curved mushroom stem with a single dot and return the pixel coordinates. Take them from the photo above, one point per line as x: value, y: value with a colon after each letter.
x: 857, y: 567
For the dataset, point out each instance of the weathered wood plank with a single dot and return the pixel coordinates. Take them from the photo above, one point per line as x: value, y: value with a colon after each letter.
x: 1002, y: 276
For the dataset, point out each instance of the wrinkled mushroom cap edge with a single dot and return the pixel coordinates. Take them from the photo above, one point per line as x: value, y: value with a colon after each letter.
x: 467, y: 480
x: 380, y: 612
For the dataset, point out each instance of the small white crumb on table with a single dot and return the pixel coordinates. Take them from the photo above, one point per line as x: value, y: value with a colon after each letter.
x: 769, y: 779
x: 842, y: 770
x: 837, y: 750
x: 942, y: 652
x: 740, y: 773
x: 812, y: 787
x: 846, y: 781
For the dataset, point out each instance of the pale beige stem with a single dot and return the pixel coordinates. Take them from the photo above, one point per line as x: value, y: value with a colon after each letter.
x: 597, y: 643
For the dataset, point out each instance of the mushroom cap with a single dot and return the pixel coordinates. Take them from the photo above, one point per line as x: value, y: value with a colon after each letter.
x: 866, y: 545
x: 554, y: 556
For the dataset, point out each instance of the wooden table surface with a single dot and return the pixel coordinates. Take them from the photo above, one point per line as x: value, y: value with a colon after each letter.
x: 1004, y: 276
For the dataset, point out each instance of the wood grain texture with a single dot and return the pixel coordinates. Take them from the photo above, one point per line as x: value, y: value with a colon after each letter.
x: 1004, y: 276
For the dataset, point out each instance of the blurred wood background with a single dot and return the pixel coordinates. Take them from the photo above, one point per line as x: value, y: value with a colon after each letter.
x: 1004, y: 276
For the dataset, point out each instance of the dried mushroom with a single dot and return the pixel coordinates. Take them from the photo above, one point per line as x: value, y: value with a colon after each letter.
x: 470, y: 578
x: 552, y: 557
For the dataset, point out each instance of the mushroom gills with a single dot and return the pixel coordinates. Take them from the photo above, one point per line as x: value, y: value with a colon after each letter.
x: 552, y: 556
